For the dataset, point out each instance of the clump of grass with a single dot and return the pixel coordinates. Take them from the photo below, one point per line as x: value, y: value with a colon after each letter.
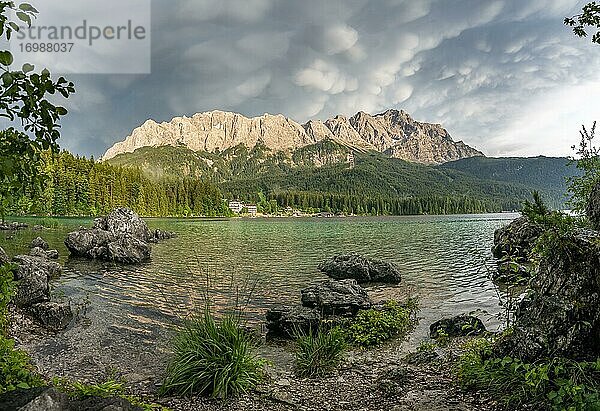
x: 552, y: 384
x: 375, y: 326
x: 214, y: 357
x: 318, y: 353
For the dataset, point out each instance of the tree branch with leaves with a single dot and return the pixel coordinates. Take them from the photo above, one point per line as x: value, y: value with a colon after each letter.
x: 588, y: 18
x: 24, y: 102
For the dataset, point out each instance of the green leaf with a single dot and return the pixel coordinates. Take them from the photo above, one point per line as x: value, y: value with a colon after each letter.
x: 27, y: 68
x: 61, y: 111
x: 24, y: 17
x: 28, y: 7
x: 6, y: 58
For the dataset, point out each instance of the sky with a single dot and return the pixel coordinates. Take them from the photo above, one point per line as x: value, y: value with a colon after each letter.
x: 505, y: 76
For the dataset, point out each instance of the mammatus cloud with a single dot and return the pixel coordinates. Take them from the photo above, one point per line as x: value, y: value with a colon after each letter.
x: 504, y: 76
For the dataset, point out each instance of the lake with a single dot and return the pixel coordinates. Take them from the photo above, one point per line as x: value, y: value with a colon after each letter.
x: 124, y: 309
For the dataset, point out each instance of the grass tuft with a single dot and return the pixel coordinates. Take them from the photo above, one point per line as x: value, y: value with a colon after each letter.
x: 213, y: 357
x: 318, y: 353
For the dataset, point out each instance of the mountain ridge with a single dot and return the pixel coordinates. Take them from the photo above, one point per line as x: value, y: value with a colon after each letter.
x: 393, y: 132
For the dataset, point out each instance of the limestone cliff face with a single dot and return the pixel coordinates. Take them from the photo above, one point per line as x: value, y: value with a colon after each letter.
x: 393, y: 132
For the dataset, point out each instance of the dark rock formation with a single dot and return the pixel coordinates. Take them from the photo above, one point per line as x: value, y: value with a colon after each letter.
x: 560, y: 316
x: 50, y: 399
x: 52, y: 315
x: 27, y: 263
x: 333, y: 297
x: 39, y: 252
x: 4, y: 258
x: 39, y: 242
x: 363, y: 270
x: 516, y: 239
x: 593, y: 207
x: 286, y: 321
x: 33, y: 274
x: 511, y: 272
x: 14, y: 226
x: 124, y: 221
x: 122, y: 236
x: 459, y: 326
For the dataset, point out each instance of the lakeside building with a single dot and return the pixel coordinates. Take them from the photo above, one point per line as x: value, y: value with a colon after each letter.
x: 237, y: 207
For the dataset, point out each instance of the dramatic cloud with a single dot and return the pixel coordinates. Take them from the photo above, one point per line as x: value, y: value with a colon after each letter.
x: 504, y: 76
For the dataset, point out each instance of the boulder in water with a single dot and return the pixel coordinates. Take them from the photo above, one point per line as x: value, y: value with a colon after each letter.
x: 52, y: 315
x: 286, y: 321
x: 363, y: 270
x: 333, y: 297
x: 39, y: 242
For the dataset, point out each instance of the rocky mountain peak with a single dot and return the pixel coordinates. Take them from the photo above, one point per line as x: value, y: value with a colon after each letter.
x: 392, y: 132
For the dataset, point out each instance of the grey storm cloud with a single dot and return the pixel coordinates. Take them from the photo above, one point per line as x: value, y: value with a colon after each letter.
x: 504, y: 76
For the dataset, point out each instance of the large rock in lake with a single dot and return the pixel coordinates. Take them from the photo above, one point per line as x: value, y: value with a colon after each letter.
x: 39, y: 242
x: 593, y: 207
x: 34, y: 274
x: 122, y: 236
x: 333, y: 297
x: 124, y: 221
x: 516, y: 240
x: 52, y: 315
x: 286, y: 321
x: 560, y: 316
x: 363, y: 270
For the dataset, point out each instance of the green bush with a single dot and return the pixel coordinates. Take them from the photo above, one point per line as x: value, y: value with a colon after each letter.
x: 375, y: 326
x: 213, y: 357
x: 319, y: 353
x: 557, y: 383
x: 16, y: 370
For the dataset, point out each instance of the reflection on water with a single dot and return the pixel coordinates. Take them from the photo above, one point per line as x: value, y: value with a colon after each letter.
x: 442, y: 259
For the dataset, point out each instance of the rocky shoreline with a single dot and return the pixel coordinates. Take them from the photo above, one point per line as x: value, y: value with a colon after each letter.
x: 387, y: 377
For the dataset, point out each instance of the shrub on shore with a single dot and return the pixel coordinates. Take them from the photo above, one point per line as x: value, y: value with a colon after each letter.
x: 556, y: 383
x: 214, y: 357
x: 375, y: 326
x: 318, y: 353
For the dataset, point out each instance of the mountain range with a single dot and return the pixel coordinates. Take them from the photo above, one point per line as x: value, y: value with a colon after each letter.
x: 393, y: 133
x: 383, y: 158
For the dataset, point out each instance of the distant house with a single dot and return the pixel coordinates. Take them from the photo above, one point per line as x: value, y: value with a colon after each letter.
x: 236, y: 206
x: 252, y: 209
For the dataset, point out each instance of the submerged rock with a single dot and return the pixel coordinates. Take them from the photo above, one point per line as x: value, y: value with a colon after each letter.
x: 363, y: 270
x: 159, y: 235
x: 459, y: 326
x: 52, y: 315
x: 39, y: 242
x: 593, y: 207
x: 560, y: 316
x: 333, y: 297
x: 287, y: 321
x: 516, y: 240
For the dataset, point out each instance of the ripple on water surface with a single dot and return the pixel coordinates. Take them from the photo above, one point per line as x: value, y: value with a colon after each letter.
x: 443, y: 260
